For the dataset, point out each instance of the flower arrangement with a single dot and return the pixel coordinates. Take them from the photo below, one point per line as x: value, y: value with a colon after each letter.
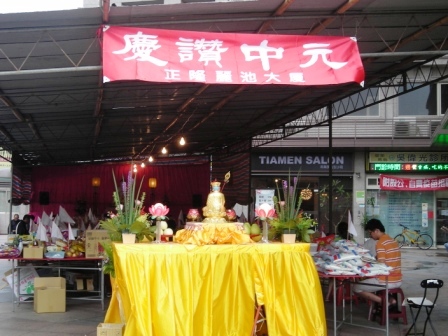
x: 265, y: 212
x: 130, y: 217
x: 288, y: 208
x: 158, y: 211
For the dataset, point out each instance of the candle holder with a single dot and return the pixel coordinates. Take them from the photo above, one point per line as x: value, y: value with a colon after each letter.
x: 158, y: 239
x: 265, y: 231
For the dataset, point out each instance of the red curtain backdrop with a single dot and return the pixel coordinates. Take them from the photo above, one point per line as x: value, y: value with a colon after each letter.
x: 67, y: 185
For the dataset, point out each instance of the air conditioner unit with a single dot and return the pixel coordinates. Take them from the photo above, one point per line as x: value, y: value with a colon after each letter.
x: 373, y: 183
x: 402, y: 129
x: 433, y: 127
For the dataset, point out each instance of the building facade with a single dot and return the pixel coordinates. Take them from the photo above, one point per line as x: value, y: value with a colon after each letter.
x: 392, y: 138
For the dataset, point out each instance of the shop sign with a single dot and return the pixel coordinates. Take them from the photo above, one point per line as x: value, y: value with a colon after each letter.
x: 389, y: 182
x: 408, y: 157
x: 175, y: 56
x: 304, y: 162
x: 408, y: 167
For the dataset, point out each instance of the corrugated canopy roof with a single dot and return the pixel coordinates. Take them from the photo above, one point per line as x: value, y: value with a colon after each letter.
x: 55, y: 109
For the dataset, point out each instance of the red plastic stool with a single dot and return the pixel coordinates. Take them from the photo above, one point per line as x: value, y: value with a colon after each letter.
x: 401, y: 313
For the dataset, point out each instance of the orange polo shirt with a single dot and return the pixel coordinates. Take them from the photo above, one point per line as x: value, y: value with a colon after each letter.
x: 388, y: 252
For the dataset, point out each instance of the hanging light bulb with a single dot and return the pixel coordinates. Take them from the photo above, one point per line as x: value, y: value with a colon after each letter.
x: 164, y: 151
x: 142, y: 165
x: 182, y: 141
x: 150, y: 159
x: 135, y: 169
x: 135, y: 166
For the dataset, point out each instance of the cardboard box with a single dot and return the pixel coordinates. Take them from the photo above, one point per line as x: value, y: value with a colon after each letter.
x: 84, y: 284
x: 80, y: 281
x: 33, y: 252
x: 49, y: 295
x: 110, y: 329
x: 93, y: 240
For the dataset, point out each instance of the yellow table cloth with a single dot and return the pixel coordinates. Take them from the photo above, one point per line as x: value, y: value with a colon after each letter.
x: 176, y: 289
x: 211, y: 233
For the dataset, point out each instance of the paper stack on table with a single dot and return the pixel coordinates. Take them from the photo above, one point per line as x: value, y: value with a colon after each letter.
x: 345, y: 257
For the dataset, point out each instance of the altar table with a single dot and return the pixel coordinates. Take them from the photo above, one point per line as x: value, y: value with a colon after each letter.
x: 185, y: 290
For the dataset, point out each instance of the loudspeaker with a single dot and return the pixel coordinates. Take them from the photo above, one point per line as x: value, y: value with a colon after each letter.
x: 44, y: 198
x: 196, y: 201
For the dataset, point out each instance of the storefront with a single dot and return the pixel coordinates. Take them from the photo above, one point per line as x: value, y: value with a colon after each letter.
x: 408, y: 188
x: 270, y: 167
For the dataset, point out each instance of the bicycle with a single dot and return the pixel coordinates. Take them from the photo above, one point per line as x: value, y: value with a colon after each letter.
x: 414, y: 237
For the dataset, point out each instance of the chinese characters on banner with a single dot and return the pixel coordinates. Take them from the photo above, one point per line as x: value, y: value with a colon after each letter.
x: 388, y: 182
x: 158, y: 55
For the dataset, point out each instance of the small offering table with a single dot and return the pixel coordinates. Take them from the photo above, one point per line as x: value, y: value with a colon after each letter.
x: 174, y: 289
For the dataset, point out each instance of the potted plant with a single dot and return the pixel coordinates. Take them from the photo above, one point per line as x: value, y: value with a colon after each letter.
x: 290, y: 218
x: 128, y: 219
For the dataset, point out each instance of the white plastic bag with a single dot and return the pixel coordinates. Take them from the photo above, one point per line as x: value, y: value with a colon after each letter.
x: 27, y: 276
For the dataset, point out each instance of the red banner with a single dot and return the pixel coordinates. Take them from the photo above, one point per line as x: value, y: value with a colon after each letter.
x: 158, y: 55
x: 388, y: 182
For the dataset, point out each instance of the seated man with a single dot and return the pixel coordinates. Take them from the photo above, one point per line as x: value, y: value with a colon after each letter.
x: 388, y: 252
x: 13, y: 224
x: 23, y: 227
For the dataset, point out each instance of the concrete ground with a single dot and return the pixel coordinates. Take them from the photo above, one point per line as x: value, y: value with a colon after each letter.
x: 82, y: 317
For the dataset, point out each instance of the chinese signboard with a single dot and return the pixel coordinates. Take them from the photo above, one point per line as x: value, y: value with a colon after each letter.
x: 408, y: 161
x: 413, y: 184
x: 158, y: 55
x: 315, y: 163
x: 408, y: 157
x: 410, y: 167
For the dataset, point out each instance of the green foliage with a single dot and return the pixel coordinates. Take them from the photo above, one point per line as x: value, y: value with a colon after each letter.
x: 289, y: 215
x: 129, y: 219
x: 303, y: 225
x: 108, y: 267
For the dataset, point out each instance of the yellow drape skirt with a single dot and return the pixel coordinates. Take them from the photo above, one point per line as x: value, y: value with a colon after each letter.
x: 179, y: 290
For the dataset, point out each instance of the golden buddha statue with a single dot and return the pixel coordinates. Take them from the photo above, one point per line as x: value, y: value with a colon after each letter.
x: 215, y: 210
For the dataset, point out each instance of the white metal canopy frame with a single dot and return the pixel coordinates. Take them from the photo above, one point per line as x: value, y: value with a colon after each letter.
x: 54, y: 108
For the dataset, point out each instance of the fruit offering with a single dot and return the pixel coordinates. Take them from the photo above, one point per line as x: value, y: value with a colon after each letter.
x: 253, y: 230
x: 76, y: 249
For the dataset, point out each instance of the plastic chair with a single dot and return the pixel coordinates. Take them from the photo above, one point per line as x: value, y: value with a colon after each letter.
x: 417, y: 303
x: 400, y: 310
x: 342, y: 293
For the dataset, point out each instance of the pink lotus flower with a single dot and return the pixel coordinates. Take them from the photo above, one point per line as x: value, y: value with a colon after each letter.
x: 193, y: 213
x: 231, y: 214
x: 264, y: 211
x: 158, y: 210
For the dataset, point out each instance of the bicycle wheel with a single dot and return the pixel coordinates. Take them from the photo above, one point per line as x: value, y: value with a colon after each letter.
x: 400, y: 239
x: 424, y: 241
